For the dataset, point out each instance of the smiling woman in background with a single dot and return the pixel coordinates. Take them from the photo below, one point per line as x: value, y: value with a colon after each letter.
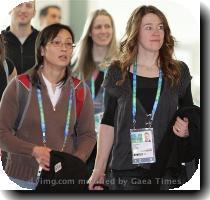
x: 94, y: 53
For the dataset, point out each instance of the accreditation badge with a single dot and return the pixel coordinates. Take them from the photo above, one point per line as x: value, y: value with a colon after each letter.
x: 98, y: 118
x: 142, y: 145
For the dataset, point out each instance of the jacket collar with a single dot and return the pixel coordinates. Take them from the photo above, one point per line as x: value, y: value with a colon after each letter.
x: 11, y: 37
x: 42, y: 82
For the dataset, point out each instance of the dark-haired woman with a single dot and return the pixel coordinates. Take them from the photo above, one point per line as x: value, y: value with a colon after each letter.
x: 51, y: 115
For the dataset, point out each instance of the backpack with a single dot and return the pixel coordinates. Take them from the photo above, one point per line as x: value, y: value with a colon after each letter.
x: 24, y: 96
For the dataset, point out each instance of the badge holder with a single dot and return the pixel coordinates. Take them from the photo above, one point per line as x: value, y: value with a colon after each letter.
x: 142, y: 145
x: 142, y: 140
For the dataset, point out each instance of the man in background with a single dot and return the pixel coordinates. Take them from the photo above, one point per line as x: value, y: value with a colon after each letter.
x: 49, y: 15
x: 20, y: 36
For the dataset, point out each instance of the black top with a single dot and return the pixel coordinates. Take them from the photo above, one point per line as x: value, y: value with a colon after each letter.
x: 123, y: 121
x: 22, y: 55
x: 3, y: 77
x: 121, y: 158
x: 147, y: 87
x: 99, y: 81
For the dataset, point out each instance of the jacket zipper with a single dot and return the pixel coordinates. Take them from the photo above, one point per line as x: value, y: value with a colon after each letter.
x: 21, y: 66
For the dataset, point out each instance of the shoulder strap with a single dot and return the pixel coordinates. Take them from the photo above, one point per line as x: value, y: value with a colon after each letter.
x: 24, y: 97
x: 80, y: 94
x: 6, y: 69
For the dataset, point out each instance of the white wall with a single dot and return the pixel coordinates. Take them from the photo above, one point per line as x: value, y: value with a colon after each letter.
x: 63, y: 4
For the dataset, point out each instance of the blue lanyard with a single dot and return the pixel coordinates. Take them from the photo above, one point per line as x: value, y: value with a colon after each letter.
x: 157, y: 98
x: 92, y: 82
x: 43, y: 124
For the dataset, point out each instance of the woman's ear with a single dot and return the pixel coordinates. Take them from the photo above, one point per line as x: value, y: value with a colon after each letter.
x: 42, y: 51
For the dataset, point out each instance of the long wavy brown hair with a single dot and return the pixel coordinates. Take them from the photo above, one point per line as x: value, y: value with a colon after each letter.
x: 129, y: 45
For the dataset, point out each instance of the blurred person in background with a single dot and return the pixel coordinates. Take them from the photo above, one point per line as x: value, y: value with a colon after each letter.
x: 7, y: 72
x: 20, y: 36
x: 93, y: 54
x: 7, y: 68
x: 49, y: 15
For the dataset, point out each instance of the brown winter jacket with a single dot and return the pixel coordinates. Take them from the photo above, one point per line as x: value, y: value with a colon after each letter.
x: 19, y: 145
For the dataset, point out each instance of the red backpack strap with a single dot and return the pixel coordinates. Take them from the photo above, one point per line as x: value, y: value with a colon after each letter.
x: 80, y: 94
x: 24, y: 80
x: 23, y: 95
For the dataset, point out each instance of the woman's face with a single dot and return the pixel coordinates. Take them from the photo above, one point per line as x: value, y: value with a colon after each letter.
x: 102, y: 30
x: 58, y: 51
x: 151, y: 33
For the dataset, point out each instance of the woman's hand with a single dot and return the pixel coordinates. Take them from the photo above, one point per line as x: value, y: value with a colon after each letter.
x: 42, y: 156
x: 96, y: 181
x: 180, y: 128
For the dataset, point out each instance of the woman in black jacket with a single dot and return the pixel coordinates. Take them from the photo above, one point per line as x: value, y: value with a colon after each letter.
x: 143, y: 88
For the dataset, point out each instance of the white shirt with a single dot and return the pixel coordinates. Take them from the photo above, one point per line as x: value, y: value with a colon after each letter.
x: 54, y: 96
x: 22, y: 39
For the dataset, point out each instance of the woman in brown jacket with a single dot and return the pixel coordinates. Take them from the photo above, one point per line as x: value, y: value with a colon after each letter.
x: 49, y: 123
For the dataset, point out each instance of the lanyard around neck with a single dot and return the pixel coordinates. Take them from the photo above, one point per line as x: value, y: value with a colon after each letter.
x: 43, y: 124
x: 134, y: 95
x: 92, y: 82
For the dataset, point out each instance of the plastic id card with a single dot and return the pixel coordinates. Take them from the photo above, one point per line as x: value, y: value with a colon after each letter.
x: 142, y: 145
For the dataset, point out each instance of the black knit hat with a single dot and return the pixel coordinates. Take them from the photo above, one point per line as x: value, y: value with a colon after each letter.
x: 67, y: 174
